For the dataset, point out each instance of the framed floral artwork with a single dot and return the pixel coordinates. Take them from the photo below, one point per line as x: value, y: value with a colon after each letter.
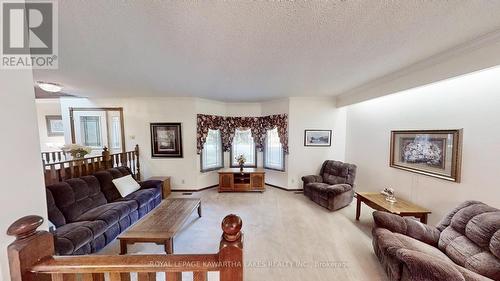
x: 435, y: 153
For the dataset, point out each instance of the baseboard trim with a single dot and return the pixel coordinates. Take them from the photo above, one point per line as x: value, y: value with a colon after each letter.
x: 285, y: 189
x: 194, y: 190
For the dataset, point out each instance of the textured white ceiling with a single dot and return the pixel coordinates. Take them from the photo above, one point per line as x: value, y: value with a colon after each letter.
x: 252, y: 50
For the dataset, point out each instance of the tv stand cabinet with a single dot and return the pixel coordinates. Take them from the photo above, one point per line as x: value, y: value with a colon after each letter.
x: 232, y: 180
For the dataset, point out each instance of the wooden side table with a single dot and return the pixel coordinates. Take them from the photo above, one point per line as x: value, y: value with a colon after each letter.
x: 166, y: 185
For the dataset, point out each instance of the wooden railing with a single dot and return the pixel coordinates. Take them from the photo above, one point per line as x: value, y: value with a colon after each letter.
x: 59, y: 171
x: 31, y: 258
x: 53, y: 156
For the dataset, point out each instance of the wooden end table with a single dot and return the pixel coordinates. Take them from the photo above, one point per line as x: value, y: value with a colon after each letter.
x: 161, y: 225
x: 401, y: 207
x: 165, y: 192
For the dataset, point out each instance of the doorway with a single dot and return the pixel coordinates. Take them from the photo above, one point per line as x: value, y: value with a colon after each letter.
x: 98, y: 128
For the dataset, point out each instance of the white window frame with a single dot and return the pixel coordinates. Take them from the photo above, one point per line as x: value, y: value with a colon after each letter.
x: 233, y: 163
x: 265, y: 163
x: 203, y: 156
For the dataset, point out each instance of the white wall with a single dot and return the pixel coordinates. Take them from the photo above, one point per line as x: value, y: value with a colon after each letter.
x: 21, y: 165
x: 470, y: 102
x: 313, y: 113
x: 46, y: 107
x: 316, y: 113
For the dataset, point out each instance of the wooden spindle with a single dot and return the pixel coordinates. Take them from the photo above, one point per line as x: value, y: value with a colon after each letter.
x: 115, y: 276
x: 132, y: 168
x: 146, y: 276
x: 53, y: 173
x: 86, y: 166
x: 57, y: 277
x: 125, y: 276
x: 173, y: 276
x: 87, y: 277
x: 200, y: 276
x: 98, y: 276
x: 71, y: 165
x: 62, y: 171
x: 136, y: 150
x: 30, y: 247
x: 70, y: 277
x: 106, y: 158
x: 231, y: 249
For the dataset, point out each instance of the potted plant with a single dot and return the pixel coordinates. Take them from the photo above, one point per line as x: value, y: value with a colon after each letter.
x: 241, y: 161
x: 77, y: 151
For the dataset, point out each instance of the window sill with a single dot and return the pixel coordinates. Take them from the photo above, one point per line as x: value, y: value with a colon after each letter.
x: 275, y: 169
x: 210, y: 170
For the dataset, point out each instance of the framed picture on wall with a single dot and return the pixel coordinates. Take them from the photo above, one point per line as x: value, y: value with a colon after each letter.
x: 166, y: 140
x: 54, y: 125
x: 318, y: 138
x: 435, y: 153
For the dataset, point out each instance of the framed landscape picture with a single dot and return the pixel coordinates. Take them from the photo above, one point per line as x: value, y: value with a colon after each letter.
x: 435, y: 153
x: 54, y: 125
x: 166, y: 140
x: 317, y: 137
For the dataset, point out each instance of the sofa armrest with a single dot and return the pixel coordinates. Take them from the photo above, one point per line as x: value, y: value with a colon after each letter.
x: 311, y: 179
x: 150, y: 184
x: 407, y: 226
x: 421, y: 266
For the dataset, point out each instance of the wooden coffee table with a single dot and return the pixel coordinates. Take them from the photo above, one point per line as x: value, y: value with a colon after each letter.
x: 160, y: 225
x: 401, y: 207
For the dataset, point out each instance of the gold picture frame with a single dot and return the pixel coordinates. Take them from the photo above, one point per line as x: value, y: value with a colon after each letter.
x: 435, y: 153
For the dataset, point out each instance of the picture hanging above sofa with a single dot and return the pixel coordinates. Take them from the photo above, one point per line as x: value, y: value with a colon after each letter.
x: 166, y: 140
x: 435, y: 153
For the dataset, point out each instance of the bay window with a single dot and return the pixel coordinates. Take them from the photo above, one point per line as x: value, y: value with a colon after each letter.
x: 212, y: 155
x: 274, y: 156
x: 243, y: 144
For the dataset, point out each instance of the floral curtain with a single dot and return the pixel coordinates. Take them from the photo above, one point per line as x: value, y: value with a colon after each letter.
x: 228, y: 126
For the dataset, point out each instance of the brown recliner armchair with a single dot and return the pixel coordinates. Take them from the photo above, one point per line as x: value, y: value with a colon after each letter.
x: 333, y: 188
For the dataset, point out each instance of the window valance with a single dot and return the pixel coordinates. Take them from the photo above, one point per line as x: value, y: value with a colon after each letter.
x: 228, y: 125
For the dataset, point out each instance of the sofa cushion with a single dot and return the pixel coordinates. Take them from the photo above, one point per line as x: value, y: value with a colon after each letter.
x: 55, y: 215
x: 336, y: 172
x: 481, y: 228
x: 467, y: 236
x: 72, y: 236
x: 110, y: 213
x: 126, y: 185
x: 76, y: 196
x: 106, y: 182
x: 327, y: 189
x: 143, y: 196
x: 495, y: 244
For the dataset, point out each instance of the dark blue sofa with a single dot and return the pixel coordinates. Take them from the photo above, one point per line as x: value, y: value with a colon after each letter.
x: 89, y: 212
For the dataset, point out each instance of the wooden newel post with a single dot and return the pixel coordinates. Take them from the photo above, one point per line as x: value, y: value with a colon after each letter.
x: 231, y: 249
x: 138, y: 174
x: 106, y: 158
x: 30, y: 247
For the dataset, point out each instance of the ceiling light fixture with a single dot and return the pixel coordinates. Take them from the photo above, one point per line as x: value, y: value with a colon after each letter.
x: 49, y: 87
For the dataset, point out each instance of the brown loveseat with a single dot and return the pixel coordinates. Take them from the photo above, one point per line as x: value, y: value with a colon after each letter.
x: 465, y: 246
x: 89, y: 212
x: 333, y: 187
